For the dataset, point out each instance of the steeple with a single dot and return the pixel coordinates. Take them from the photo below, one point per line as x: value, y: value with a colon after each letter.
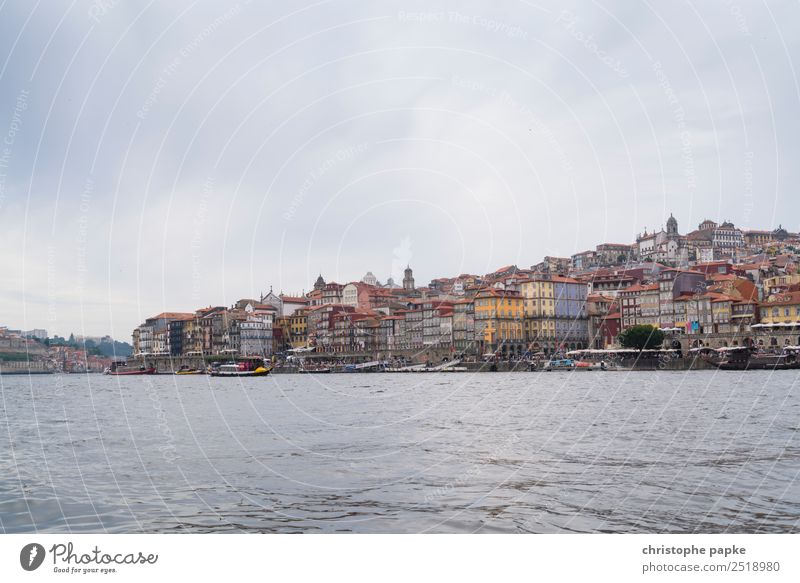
x: 672, y: 225
x: 408, y: 279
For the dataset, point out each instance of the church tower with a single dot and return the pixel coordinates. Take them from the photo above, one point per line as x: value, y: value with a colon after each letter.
x: 320, y: 283
x: 672, y: 226
x: 408, y: 279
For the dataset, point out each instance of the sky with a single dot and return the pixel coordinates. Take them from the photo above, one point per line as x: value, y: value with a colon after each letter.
x: 166, y: 156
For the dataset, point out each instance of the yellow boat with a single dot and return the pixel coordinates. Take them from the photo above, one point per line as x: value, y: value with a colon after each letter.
x: 233, y: 370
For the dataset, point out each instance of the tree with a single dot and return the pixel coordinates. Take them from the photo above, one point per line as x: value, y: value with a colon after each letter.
x: 641, y: 336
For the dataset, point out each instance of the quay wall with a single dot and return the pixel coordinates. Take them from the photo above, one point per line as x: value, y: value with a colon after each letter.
x: 168, y: 365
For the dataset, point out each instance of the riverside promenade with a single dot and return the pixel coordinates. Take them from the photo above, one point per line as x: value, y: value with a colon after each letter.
x: 168, y: 365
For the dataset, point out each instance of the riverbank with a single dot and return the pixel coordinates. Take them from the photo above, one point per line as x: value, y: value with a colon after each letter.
x: 168, y: 365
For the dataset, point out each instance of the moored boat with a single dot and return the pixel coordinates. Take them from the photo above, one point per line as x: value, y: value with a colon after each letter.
x: 122, y: 369
x: 747, y: 358
x: 239, y: 369
x: 785, y: 359
x: 559, y: 364
x: 585, y: 365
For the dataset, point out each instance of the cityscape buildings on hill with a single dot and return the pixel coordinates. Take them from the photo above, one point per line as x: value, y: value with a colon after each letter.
x: 717, y: 285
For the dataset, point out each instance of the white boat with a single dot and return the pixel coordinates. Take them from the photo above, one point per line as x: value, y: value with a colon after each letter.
x: 559, y: 364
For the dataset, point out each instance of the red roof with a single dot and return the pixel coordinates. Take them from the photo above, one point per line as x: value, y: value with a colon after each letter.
x: 782, y: 299
x: 640, y: 288
x: 172, y: 316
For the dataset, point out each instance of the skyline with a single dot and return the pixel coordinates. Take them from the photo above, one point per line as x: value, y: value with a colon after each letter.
x: 178, y: 155
x: 398, y: 282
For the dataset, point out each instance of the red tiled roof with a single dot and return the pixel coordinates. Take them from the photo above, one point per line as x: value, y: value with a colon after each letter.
x: 640, y: 288
x: 295, y: 299
x: 782, y: 299
x: 171, y: 315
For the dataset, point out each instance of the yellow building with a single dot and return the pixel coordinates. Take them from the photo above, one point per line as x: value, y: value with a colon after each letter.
x: 538, y: 294
x: 298, y: 328
x: 780, y: 282
x: 499, y: 316
x: 783, y: 308
x: 192, y: 337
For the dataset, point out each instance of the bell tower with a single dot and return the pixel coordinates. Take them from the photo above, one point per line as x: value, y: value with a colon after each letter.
x: 408, y: 279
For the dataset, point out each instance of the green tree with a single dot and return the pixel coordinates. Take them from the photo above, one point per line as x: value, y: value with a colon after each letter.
x: 641, y: 336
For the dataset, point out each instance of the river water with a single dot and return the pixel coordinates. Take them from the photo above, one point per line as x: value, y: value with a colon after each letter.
x: 705, y: 451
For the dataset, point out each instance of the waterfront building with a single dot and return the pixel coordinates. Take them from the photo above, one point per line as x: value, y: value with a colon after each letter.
x: 639, y: 304
x: 213, y: 326
x: 401, y: 338
x: 781, y: 309
x: 722, y: 314
x: 437, y: 324
x: 674, y: 283
x: 298, y: 328
x: 161, y: 341
x: 780, y: 321
x: 255, y: 330
x: 603, y: 317
x: 390, y: 334
x: 464, y: 326
x: 320, y: 324
x: 414, y: 325
x: 499, y: 318
x: 143, y: 340
x: 692, y: 313
x: 539, y: 312
x: 192, y: 337
x: 153, y: 336
x: 572, y: 327
x: 176, y: 332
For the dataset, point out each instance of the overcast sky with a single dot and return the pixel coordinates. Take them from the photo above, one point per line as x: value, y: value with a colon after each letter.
x: 172, y: 155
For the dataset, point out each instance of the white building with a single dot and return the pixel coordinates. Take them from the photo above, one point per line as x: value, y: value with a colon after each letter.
x: 369, y: 279
x: 255, y: 332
